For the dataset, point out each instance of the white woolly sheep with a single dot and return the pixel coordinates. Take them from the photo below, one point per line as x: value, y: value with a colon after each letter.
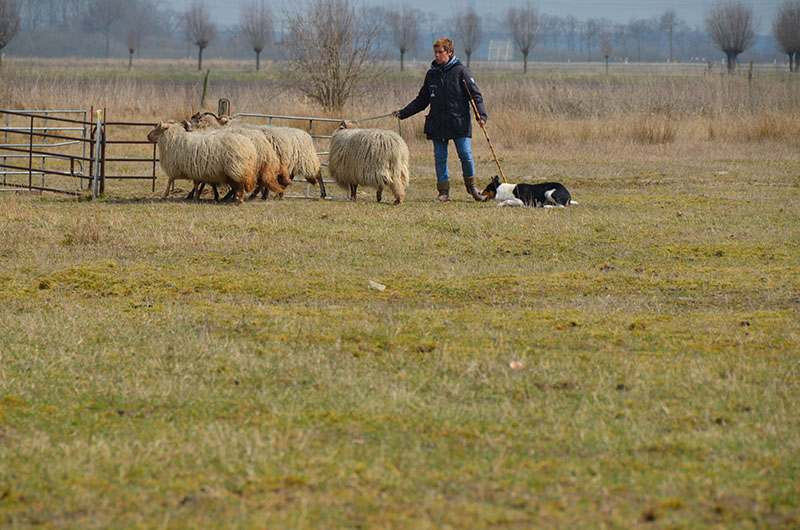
x: 369, y: 157
x: 294, y: 147
x: 218, y: 158
x: 272, y: 175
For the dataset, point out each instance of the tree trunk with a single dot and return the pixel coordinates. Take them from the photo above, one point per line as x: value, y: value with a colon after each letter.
x: 468, y: 56
x: 731, y: 61
x: 606, y: 64
x: 199, y: 58
x: 130, y: 59
x: 524, y: 63
x: 402, y: 55
x: 258, y: 61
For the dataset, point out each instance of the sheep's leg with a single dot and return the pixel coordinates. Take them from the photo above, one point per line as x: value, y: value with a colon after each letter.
x: 169, y: 186
x: 353, y: 190
x: 228, y: 196
x: 240, y: 193
x: 398, y: 191
x: 255, y: 192
x: 379, y: 194
x: 322, y: 193
x: 198, y: 189
x: 216, y: 193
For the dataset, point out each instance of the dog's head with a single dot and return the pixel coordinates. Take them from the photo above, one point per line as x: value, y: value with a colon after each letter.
x: 490, y: 191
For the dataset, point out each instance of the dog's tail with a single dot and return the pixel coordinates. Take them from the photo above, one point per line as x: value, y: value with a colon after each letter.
x: 571, y: 202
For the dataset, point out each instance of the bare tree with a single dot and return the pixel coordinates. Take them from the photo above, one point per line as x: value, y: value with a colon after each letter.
x: 9, y: 23
x: 257, y: 27
x: 606, y: 48
x: 143, y: 18
x: 786, y: 30
x: 329, y: 46
x: 571, y: 26
x: 524, y: 24
x: 405, y: 30
x: 100, y: 15
x: 469, y: 32
x: 732, y: 26
x: 199, y: 29
x: 591, y: 29
x: 637, y: 29
x: 131, y: 42
x: 669, y: 23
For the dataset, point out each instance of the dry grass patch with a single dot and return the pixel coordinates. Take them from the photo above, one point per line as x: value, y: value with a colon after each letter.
x: 631, y: 361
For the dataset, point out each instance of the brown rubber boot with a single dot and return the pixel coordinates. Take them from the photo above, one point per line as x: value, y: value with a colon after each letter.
x: 469, y: 182
x: 444, y: 191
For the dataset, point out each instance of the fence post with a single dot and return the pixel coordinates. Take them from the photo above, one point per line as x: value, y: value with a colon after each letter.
x: 95, y: 193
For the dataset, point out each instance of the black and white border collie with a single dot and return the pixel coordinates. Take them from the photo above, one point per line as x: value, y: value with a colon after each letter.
x: 547, y: 195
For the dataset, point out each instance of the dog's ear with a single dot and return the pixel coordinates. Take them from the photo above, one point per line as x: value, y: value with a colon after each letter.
x: 496, y: 180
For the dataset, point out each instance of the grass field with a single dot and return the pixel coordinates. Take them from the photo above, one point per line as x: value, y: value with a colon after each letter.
x: 632, y: 361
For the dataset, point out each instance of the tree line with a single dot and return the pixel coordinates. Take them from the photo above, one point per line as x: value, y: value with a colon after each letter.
x: 330, y: 43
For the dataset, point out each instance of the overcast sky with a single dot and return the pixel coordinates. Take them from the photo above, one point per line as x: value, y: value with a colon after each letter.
x: 226, y: 12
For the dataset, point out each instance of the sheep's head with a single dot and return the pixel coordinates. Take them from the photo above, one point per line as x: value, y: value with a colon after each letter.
x: 156, y: 133
x: 203, y: 120
x: 348, y: 124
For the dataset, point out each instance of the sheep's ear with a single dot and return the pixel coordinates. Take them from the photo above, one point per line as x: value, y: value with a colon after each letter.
x: 186, y: 125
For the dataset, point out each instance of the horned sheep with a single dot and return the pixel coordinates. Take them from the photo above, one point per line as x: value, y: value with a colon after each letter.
x: 369, y: 157
x: 221, y: 158
x: 294, y: 147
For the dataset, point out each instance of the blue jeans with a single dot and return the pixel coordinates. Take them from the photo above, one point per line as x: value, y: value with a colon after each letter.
x: 464, y: 149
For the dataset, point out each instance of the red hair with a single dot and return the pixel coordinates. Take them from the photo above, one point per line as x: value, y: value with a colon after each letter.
x: 448, y: 45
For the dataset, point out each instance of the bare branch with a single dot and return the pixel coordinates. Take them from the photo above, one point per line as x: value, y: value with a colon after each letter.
x: 9, y: 22
x: 329, y: 46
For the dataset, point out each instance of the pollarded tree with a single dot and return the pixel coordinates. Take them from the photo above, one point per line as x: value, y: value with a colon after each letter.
x: 199, y: 29
x: 786, y: 30
x: 732, y: 26
x: 469, y: 31
x: 256, y: 26
x: 524, y: 25
x: 405, y: 30
x: 9, y: 23
x: 330, y: 47
x: 606, y: 48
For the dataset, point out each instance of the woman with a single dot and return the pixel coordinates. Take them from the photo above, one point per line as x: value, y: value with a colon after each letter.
x: 445, y: 90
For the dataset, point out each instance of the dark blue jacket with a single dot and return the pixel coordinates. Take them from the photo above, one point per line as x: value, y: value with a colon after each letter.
x: 451, y: 113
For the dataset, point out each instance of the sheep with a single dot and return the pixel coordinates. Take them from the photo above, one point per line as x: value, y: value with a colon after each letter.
x: 217, y: 158
x: 294, y: 147
x: 370, y: 157
x: 271, y: 175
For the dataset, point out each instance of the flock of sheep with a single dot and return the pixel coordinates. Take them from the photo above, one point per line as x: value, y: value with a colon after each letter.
x: 254, y: 159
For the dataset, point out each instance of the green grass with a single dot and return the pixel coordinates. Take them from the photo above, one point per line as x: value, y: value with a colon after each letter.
x: 628, y: 361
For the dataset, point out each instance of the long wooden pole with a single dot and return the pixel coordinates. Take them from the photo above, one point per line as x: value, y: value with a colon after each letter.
x: 483, y: 128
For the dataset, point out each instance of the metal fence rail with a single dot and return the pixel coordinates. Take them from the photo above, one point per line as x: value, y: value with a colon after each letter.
x: 44, y: 151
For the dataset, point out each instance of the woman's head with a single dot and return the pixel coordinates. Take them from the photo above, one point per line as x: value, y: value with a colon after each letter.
x: 443, y: 50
